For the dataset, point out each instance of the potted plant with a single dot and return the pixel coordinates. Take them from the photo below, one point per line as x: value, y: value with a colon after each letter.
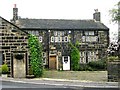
x: 4, y: 70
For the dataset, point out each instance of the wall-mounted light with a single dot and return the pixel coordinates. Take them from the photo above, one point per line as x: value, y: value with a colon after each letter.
x: 69, y: 32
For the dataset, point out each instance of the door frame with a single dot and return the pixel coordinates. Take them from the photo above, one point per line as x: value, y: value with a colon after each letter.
x: 56, y: 60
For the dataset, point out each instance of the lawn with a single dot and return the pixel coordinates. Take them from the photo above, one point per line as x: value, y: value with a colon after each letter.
x: 99, y: 76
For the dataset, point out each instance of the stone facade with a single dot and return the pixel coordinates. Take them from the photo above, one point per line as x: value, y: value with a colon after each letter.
x: 113, y: 71
x: 55, y: 35
x: 13, y: 40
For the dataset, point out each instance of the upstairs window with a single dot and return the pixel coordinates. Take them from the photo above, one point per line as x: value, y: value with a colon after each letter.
x: 87, y: 33
x: 89, y: 38
x: 59, y: 39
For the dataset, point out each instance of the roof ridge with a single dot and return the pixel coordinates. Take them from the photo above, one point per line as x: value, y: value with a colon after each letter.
x: 57, y: 19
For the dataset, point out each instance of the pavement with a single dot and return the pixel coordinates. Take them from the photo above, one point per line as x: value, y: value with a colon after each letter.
x: 63, y: 82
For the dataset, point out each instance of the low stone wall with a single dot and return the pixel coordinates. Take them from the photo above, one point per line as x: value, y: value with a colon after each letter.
x: 114, y: 71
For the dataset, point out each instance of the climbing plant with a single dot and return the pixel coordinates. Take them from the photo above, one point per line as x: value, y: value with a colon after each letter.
x: 75, y: 57
x: 35, y: 49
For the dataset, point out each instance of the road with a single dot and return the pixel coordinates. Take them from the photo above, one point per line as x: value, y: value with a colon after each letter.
x: 7, y: 85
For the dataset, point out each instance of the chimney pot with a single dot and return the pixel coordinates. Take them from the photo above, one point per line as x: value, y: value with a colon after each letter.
x: 14, y: 5
x: 96, y: 15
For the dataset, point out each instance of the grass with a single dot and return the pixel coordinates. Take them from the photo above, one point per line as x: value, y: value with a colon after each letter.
x: 99, y: 76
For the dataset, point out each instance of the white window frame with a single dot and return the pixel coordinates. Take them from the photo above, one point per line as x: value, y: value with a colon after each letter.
x: 56, y: 39
x: 52, y: 38
x: 40, y: 38
x: 66, y: 39
x: 44, y: 61
x: 55, y: 33
x: 89, y: 33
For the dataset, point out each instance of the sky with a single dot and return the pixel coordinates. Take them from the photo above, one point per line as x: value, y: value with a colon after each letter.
x: 61, y: 9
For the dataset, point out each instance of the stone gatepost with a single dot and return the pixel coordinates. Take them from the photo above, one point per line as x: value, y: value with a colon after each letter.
x: 19, y: 65
x: 113, y: 71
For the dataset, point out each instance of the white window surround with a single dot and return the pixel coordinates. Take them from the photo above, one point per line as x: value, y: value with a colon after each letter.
x: 89, y: 38
x: 66, y: 39
x: 56, y: 39
x: 89, y: 33
x: 44, y: 54
x: 44, y: 61
x: 40, y: 38
x: 59, y: 39
x: 52, y: 38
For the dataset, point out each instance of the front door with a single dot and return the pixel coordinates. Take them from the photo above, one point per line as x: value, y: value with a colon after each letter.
x: 52, y: 62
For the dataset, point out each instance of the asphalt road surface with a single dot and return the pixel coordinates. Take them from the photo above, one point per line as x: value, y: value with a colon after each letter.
x: 7, y: 85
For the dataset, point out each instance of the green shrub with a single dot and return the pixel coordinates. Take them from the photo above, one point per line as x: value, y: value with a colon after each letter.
x: 112, y: 58
x: 0, y: 70
x: 97, y: 65
x: 85, y: 67
x: 75, y: 56
x: 36, y: 62
x: 4, y: 69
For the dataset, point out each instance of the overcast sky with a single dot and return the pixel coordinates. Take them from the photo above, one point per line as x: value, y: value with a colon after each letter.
x: 60, y: 9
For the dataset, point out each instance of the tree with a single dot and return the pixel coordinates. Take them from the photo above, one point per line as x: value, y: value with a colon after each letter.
x: 75, y: 57
x: 115, y: 13
x: 36, y: 62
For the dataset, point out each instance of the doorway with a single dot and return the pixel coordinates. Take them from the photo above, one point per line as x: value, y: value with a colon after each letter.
x: 52, y: 62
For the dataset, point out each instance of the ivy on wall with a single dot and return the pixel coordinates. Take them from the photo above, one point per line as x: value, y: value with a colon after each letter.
x: 35, y: 49
x: 75, y: 57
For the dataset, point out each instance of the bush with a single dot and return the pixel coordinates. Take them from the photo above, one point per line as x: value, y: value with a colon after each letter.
x: 0, y: 70
x: 85, y: 67
x: 75, y: 56
x: 36, y: 62
x: 98, y: 65
x: 4, y: 69
x: 112, y: 58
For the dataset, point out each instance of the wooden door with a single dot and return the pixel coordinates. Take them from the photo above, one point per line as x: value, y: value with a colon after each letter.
x: 52, y: 62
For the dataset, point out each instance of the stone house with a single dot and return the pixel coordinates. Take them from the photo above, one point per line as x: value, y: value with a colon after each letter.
x: 13, y: 48
x: 92, y: 37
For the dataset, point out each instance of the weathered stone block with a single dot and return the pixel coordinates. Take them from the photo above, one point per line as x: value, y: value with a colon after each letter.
x: 113, y: 71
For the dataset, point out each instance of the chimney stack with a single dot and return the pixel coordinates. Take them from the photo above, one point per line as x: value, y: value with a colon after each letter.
x: 15, y: 13
x: 96, y: 15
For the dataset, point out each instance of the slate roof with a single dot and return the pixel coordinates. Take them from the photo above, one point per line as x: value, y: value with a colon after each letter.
x: 61, y: 24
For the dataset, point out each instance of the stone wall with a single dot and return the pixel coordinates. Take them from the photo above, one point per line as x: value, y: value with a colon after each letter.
x: 12, y: 40
x: 113, y: 71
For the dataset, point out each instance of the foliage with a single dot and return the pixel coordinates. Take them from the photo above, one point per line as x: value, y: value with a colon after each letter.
x: 5, y: 69
x: 94, y: 66
x: 35, y: 49
x: 113, y: 49
x: 112, y: 58
x: 115, y: 13
x: 75, y: 57
x: 30, y: 71
x: 113, y: 52
x: 97, y: 65
x: 0, y: 70
x: 85, y: 67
